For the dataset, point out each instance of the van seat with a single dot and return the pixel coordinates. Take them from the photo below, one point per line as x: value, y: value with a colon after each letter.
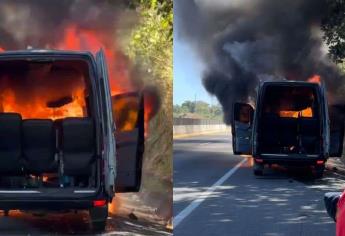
x: 78, y: 146
x: 10, y: 145
x: 39, y: 146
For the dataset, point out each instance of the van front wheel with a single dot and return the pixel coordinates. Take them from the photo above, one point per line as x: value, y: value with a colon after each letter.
x: 98, y: 216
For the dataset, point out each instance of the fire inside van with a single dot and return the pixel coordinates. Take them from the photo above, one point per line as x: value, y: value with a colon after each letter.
x: 65, y: 142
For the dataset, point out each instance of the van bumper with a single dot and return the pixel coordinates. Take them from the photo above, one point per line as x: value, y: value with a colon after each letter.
x: 56, y: 205
x: 290, y: 159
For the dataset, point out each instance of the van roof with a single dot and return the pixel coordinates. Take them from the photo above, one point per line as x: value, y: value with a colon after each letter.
x: 44, y: 52
x: 289, y: 82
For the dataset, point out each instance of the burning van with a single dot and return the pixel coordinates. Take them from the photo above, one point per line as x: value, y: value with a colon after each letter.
x: 290, y: 126
x: 65, y: 142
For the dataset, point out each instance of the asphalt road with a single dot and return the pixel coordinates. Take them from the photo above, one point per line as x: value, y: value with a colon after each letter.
x: 22, y: 223
x: 214, y: 197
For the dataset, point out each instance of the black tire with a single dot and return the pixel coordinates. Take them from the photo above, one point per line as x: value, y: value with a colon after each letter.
x: 99, y: 226
x: 233, y: 146
x: 258, y: 172
x: 98, y: 217
x: 319, y: 170
x: 258, y: 169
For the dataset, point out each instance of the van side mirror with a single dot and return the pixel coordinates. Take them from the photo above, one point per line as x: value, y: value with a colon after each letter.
x: 243, y: 113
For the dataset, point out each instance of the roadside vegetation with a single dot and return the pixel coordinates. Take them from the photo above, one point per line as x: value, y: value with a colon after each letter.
x: 198, y: 110
x: 149, y: 46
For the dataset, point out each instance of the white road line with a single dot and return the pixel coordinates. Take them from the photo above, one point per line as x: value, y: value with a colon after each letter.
x: 193, y: 205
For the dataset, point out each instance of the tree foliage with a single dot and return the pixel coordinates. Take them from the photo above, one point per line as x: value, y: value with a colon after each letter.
x: 151, y: 41
x: 150, y: 47
x: 333, y: 25
x: 199, y: 109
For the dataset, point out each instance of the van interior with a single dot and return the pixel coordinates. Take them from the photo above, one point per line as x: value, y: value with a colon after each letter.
x: 290, y: 120
x: 47, y: 126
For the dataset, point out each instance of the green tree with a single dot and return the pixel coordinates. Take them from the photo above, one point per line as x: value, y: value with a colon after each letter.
x: 202, y: 108
x: 150, y: 47
x: 333, y: 25
x: 188, y: 106
x: 199, y: 108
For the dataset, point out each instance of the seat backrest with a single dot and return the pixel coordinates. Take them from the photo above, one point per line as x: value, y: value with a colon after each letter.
x: 39, y: 145
x: 10, y: 143
x: 78, y: 145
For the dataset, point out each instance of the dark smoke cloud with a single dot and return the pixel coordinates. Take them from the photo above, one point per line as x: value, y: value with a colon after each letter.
x: 42, y: 24
x: 38, y: 23
x: 243, y: 42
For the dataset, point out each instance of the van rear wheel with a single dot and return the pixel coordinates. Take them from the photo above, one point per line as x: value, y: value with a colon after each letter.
x: 319, y: 171
x: 258, y: 169
x: 98, y: 216
x: 98, y: 226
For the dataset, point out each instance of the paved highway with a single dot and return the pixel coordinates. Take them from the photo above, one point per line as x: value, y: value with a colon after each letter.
x: 216, y: 193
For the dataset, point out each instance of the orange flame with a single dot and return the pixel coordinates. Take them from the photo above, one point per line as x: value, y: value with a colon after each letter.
x: 308, y: 112
x: 76, y: 38
x: 315, y: 79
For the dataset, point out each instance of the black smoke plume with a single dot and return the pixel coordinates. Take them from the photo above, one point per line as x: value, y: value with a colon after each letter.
x: 243, y: 42
x: 40, y: 23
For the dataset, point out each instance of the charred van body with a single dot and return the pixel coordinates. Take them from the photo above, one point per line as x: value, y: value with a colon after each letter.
x: 64, y: 145
x: 290, y: 126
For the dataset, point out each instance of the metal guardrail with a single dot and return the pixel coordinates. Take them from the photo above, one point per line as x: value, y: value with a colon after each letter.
x: 193, y: 121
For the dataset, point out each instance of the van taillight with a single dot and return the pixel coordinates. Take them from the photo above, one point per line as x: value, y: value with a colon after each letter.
x: 258, y: 160
x: 319, y: 162
x: 99, y: 203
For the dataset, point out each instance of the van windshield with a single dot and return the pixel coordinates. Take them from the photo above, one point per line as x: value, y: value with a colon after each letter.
x: 44, y: 89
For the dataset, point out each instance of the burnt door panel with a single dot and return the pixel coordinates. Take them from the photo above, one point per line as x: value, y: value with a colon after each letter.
x: 241, y: 128
x: 336, y: 117
x: 128, y: 111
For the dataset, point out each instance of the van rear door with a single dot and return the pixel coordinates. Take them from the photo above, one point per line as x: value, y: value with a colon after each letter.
x: 336, y: 118
x: 241, y: 128
x: 333, y: 134
x: 128, y: 111
x: 123, y: 162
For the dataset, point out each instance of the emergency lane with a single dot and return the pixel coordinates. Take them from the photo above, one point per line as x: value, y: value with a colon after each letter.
x: 279, y: 203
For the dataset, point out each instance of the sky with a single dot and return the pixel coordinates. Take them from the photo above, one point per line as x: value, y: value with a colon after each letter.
x: 187, y: 75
